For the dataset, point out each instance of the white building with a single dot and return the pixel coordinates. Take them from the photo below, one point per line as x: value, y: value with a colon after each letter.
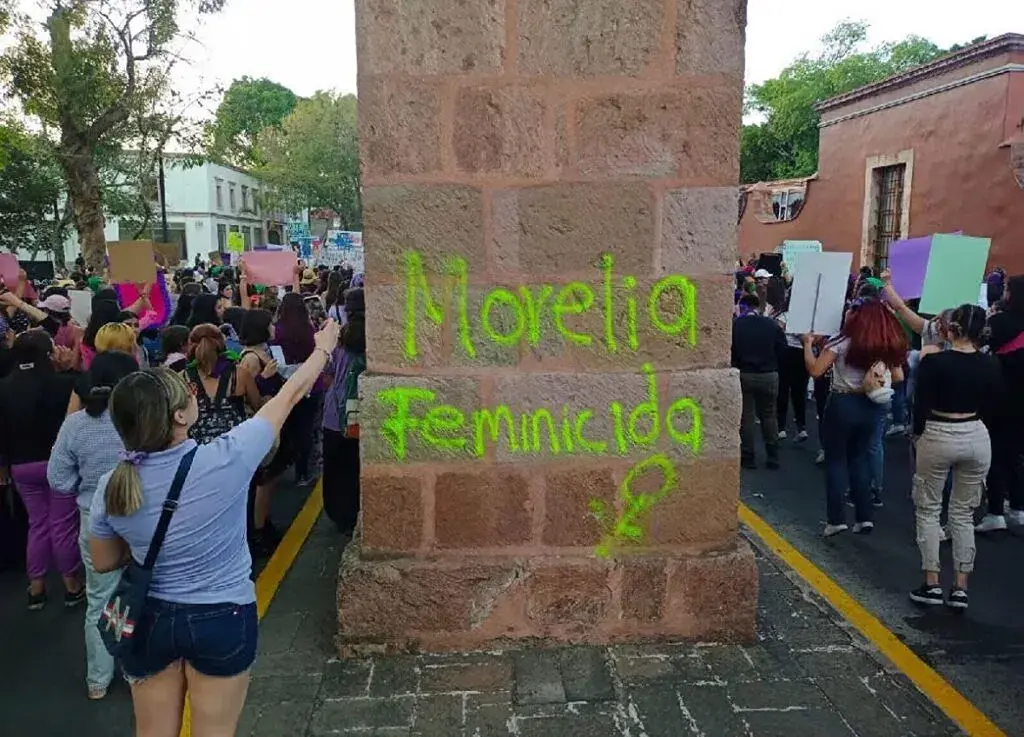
x: 204, y: 204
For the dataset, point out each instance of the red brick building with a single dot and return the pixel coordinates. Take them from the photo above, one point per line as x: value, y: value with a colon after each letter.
x: 937, y: 149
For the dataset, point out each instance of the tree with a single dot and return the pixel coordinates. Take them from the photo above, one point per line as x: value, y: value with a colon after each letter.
x: 312, y: 160
x: 785, y: 144
x: 249, y: 106
x: 98, y: 75
x: 31, y: 193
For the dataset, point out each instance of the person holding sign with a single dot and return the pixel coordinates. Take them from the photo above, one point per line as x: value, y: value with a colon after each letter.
x: 866, y: 358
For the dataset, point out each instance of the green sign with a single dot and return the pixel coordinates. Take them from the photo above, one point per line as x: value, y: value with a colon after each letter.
x: 956, y: 266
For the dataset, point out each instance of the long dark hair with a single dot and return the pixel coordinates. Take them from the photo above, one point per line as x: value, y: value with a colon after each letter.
x: 182, y: 310
x: 335, y: 289
x: 296, y: 330
x: 255, y: 327
x: 105, y: 371
x: 354, y: 332
x: 1015, y: 301
x: 204, y: 310
x: 968, y: 321
x: 104, y: 312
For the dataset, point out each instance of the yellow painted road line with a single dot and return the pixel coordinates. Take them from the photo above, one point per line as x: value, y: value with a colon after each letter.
x: 934, y: 686
x: 273, y: 573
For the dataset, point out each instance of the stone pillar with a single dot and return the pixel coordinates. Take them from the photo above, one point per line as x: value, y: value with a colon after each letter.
x: 549, y: 421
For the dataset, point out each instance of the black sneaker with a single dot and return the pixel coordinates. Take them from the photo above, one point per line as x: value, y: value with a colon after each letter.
x: 36, y: 601
x: 73, y: 599
x: 957, y: 598
x: 928, y: 595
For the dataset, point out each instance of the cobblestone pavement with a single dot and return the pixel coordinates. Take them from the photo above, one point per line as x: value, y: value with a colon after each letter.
x: 806, y: 675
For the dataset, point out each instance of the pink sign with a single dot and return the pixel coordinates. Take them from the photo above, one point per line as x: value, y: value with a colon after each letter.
x: 270, y: 268
x: 9, y: 269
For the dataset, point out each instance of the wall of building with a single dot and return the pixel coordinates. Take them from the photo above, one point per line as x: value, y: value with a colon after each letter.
x: 961, y: 180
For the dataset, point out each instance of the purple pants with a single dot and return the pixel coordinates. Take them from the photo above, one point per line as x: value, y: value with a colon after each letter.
x: 52, y: 523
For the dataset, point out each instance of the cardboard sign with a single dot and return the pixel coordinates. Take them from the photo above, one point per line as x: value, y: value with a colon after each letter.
x: 819, y: 294
x: 270, y: 268
x: 132, y: 262
x: 908, y: 263
x: 81, y: 305
x: 9, y: 269
x: 792, y: 251
x: 214, y: 258
x: 955, y: 268
x: 236, y: 243
x: 167, y: 255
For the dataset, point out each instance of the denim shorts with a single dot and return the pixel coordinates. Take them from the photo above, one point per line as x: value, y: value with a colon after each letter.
x: 215, y: 639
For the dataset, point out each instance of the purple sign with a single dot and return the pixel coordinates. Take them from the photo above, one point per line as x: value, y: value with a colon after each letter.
x: 908, y: 263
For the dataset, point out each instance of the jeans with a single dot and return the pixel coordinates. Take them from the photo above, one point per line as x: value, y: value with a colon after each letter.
x: 850, y: 423
x: 760, y: 393
x: 793, y: 388
x: 900, y: 409
x: 964, y: 447
x: 99, y: 664
x: 876, y: 453
x: 216, y: 639
x: 52, y: 523
x: 822, y: 389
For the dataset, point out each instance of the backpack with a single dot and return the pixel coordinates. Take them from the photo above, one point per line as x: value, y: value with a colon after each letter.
x: 348, y: 411
x: 218, y: 415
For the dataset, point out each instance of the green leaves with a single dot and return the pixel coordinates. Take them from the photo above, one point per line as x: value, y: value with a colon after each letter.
x: 249, y: 106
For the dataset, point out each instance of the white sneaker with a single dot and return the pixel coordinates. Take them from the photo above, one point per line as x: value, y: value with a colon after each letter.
x: 782, y: 434
x: 991, y: 523
x: 801, y: 436
x: 1015, y: 517
x: 895, y: 430
x: 831, y: 530
x: 863, y: 528
x: 820, y: 458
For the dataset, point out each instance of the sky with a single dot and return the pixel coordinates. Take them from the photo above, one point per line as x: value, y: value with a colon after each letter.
x: 308, y: 45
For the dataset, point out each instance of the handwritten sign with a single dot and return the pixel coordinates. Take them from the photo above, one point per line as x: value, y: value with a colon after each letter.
x: 270, y: 268
x: 132, y: 262
x: 819, y: 293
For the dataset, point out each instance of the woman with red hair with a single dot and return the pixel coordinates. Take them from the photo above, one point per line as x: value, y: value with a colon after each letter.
x: 866, y: 358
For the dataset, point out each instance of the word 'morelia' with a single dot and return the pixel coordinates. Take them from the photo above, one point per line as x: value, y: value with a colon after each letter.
x: 508, y: 317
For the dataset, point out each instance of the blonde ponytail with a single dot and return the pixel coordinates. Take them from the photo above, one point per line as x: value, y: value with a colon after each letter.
x: 123, y: 496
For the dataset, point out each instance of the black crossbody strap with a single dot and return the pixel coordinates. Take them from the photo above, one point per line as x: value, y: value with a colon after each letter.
x: 224, y: 385
x: 170, y: 505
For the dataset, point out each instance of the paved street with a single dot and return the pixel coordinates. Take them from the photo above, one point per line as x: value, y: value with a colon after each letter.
x: 980, y: 654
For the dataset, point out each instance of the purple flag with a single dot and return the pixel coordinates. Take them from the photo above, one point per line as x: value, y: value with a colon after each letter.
x: 908, y: 262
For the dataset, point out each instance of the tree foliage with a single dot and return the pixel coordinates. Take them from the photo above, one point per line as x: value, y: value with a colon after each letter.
x: 96, y: 75
x: 312, y: 159
x: 785, y: 144
x: 249, y: 106
x: 31, y: 191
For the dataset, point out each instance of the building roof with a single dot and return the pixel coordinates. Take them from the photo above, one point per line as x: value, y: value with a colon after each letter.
x: 1006, y: 43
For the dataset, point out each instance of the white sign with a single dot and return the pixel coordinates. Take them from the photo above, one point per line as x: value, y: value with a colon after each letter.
x: 81, y: 305
x: 819, y: 293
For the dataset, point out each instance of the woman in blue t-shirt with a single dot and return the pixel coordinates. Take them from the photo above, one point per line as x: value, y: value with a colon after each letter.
x: 198, y: 630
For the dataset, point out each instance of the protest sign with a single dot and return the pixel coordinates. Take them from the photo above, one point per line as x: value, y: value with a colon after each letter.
x: 131, y: 262
x: 271, y: 268
x: 956, y: 266
x: 792, y: 251
x: 167, y: 255
x: 236, y: 243
x: 9, y: 269
x: 908, y: 263
x: 81, y: 305
x: 819, y: 293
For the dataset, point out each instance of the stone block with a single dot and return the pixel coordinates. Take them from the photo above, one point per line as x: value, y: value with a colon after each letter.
x: 392, y: 512
x: 710, y: 156
x: 702, y: 509
x: 718, y: 591
x: 492, y: 675
x: 698, y: 230
x: 386, y: 326
x: 439, y: 37
x: 382, y: 418
x: 538, y: 678
x: 399, y: 127
x: 436, y: 221
x: 564, y: 228
x: 577, y: 596
x: 363, y: 714
x: 437, y: 715
x: 580, y: 38
x: 500, y: 130
x: 482, y: 508
x: 568, y: 521
x: 710, y: 35
x: 643, y: 587
x: 585, y: 674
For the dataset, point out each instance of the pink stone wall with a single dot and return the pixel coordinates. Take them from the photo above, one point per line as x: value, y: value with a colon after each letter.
x: 530, y: 138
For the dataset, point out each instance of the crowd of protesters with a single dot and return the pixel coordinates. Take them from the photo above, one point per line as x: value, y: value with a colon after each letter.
x: 953, y: 382
x: 248, y: 382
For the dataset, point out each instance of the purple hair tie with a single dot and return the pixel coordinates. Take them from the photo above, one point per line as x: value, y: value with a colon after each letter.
x: 134, y: 457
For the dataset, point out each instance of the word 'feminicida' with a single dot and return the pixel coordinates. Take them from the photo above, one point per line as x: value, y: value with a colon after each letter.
x: 417, y: 413
x: 522, y: 311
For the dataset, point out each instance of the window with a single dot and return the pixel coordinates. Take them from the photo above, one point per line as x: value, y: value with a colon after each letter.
x: 256, y: 202
x: 222, y: 238
x: 888, y: 189
x: 247, y: 237
x: 245, y: 198
x: 786, y: 204
x: 231, y: 196
x: 233, y: 228
x: 257, y: 235
x: 220, y: 194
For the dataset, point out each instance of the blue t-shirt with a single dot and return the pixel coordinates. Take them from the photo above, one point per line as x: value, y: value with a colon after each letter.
x: 205, y: 558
